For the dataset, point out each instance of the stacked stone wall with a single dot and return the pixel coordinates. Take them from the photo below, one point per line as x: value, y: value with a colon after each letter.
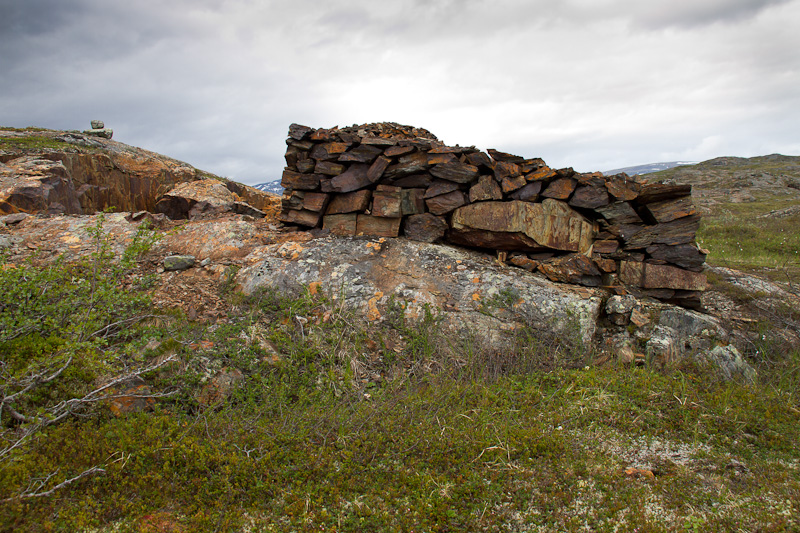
x: 390, y: 180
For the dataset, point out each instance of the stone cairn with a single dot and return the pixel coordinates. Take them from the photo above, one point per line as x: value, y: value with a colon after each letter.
x: 388, y: 180
x: 99, y: 130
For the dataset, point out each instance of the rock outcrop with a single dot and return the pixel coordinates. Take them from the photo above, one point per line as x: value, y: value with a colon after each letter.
x: 387, y: 180
x: 71, y: 173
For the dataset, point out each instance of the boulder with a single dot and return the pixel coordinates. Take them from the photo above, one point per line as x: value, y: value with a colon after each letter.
x: 378, y: 277
x: 178, y: 262
x: 195, y: 199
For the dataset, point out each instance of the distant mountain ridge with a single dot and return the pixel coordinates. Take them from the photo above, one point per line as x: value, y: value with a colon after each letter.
x: 273, y: 186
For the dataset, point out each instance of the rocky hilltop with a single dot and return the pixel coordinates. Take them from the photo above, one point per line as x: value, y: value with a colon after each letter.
x: 773, y: 179
x: 54, y: 182
x: 74, y: 173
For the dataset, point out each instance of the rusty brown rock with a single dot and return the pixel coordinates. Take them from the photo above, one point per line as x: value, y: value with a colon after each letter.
x: 412, y: 201
x: 305, y: 166
x: 486, y: 189
x: 656, y: 192
x: 495, y: 240
x: 605, y: 246
x: 131, y: 396
x: 668, y: 210
x: 349, y: 203
x: 220, y: 386
x: 296, y: 180
x: 593, y: 179
x: 377, y: 169
x: 425, y: 227
x: 687, y: 256
x: 415, y: 180
x: 315, y: 201
x: 439, y: 187
x: 360, y: 154
x: 590, y: 197
x: 650, y: 276
x: 298, y: 132
x: 604, y: 264
x: 505, y: 157
x: 306, y: 146
x: 680, y: 231
x: 195, y: 198
x: 447, y: 150
x: 395, y: 151
x: 504, y: 169
x: 328, y: 151
x: 528, y: 193
x: 624, y: 231
x: 378, y: 141
x: 532, y: 165
x: 512, y: 184
x: 523, y: 261
x: 292, y: 199
x: 566, y: 172
x: 480, y: 160
x: 445, y: 203
x: 550, y: 224
x: 343, y: 224
x: 575, y: 268
x: 291, y: 156
x: 324, y: 135
x: 436, y: 159
x: 112, y: 175
x: 349, y: 137
x: 541, y: 174
x: 352, y: 179
x: 328, y: 168
x: 378, y: 226
x: 456, y: 172
x: 621, y: 188
x: 560, y: 189
x: 386, y: 204
x: 407, y: 165
x: 620, y: 213
x: 302, y: 218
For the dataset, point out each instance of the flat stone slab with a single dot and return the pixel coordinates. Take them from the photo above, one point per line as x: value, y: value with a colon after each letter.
x: 551, y: 224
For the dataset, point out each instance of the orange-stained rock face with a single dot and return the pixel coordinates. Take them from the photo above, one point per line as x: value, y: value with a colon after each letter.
x: 84, y: 175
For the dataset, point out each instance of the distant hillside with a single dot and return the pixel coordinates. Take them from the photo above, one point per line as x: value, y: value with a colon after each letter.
x: 648, y: 168
x: 751, y: 212
x: 768, y: 182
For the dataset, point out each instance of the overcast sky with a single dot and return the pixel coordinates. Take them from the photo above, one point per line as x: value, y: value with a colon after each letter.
x: 592, y: 84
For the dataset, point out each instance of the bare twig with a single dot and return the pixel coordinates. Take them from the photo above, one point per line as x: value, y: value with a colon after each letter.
x: 34, y: 494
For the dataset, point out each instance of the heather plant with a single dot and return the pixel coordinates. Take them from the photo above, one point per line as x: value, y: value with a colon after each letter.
x: 62, y: 329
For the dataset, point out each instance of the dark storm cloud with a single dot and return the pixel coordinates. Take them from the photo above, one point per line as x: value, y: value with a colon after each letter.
x: 33, y: 17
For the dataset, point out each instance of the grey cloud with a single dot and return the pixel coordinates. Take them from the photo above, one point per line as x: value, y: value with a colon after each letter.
x: 585, y: 83
x: 693, y: 13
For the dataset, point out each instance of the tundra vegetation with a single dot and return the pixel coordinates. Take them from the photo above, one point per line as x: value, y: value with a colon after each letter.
x: 336, y: 425
x: 294, y: 415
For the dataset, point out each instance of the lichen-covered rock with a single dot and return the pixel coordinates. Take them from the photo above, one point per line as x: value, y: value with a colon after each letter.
x: 730, y: 363
x: 178, y: 262
x: 220, y: 386
x: 131, y: 396
x: 382, y: 276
